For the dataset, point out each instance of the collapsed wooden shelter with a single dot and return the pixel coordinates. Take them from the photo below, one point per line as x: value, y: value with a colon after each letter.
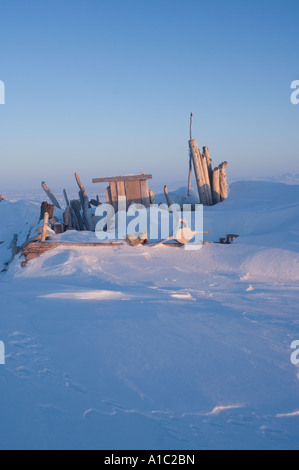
x: 127, y: 190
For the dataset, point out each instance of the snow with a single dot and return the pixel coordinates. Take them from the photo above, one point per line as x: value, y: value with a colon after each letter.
x: 155, y: 348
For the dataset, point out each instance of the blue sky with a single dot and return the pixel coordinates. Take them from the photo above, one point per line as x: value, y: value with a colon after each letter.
x: 105, y: 87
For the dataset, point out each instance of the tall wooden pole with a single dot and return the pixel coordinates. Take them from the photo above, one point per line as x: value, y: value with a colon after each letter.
x: 199, y: 173
x: 190, y: 160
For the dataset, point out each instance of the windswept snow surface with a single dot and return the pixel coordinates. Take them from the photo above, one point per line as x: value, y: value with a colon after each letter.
x: 156, y: 348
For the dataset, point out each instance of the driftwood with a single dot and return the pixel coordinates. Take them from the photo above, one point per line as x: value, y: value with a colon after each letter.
x: 46, y: 207
x: 152, y: 198
x: 212, y: 185
x: 70, y: 215
x: 76, y: 206
x: 34, y: 250
x: 67, y: 219
x: 206, y: 154
x: 201, y: 174
x: 169, y: 202
x: 216, y: 186
x: 223, y: 182
x: 85, y: 205
x: 45, y: 227
x: 59, y: 228
x: 50, y: 195
x: 94, y: 202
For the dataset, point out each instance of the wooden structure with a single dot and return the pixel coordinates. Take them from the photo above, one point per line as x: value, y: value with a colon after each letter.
x: 126, y: 190
x: 211, y: 184
x: 34, y: 250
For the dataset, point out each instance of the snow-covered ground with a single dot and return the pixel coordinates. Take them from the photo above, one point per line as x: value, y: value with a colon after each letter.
x: 156, y: 348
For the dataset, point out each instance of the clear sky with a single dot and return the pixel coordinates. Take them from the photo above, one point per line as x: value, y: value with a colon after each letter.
x: 105, y: 87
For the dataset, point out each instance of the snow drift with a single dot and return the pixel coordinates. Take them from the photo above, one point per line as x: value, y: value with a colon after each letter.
x: 156, y: 348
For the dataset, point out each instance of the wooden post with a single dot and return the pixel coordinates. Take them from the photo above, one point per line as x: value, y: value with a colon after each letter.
x: 223, y: 181
x: 169, y: 203
x: 206, y: 153
x: 152, y: 198
x: 45, y: 227
x: 189, y: 175
x: 50, y: 195
x: 121, y: 196
x: 206, y: 178
x: 200, y: 174
x: 85, y: 205
x: 216, y: 186
x: 76, y: 206
x: 67, y: 219
x: 46, y: 207
x: 145, y: 195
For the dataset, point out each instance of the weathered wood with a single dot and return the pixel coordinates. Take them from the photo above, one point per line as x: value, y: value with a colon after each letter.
x: 46, y: 207
x: 76, y: 206
x: 199, y: 173
x: 113, y: 192
x: 169, y: 202
x: 216, y: 186
x: 145, y: 194
x: 123, y: 178
x: 94, y: 202
x: 206, y: 178
x: 152, y: 198
x: 50, y: 195
x: 85, y: 205
x: 45, y: 227
x: 133, y: 192
x: 66, y: 197
x: 121, y: 196
x: 67, y: 219
x: 206, y: 153
x: 34, y: 250
x: 108, y: 196
x: 81, y: 187
x: 223, y: 181
x: 59, y: 228
x: 190, y: 174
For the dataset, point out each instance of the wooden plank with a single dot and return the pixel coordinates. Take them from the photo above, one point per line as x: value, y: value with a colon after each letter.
x: 50, y: 195
x: 216, y: 186
x: 46, y: 246
x: 45, y: 227
x: 169, y: 203
x: 199, y: 173
x: 152, y: 198
x: 85, y: 205
x: 133, y: 192
x: 113, y: 190
x: 108, y: 195
x: 121, y: 190
x: 121, y: 195
x: 145, y: 194
x: 115, y: 179
x: 223, y: 181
